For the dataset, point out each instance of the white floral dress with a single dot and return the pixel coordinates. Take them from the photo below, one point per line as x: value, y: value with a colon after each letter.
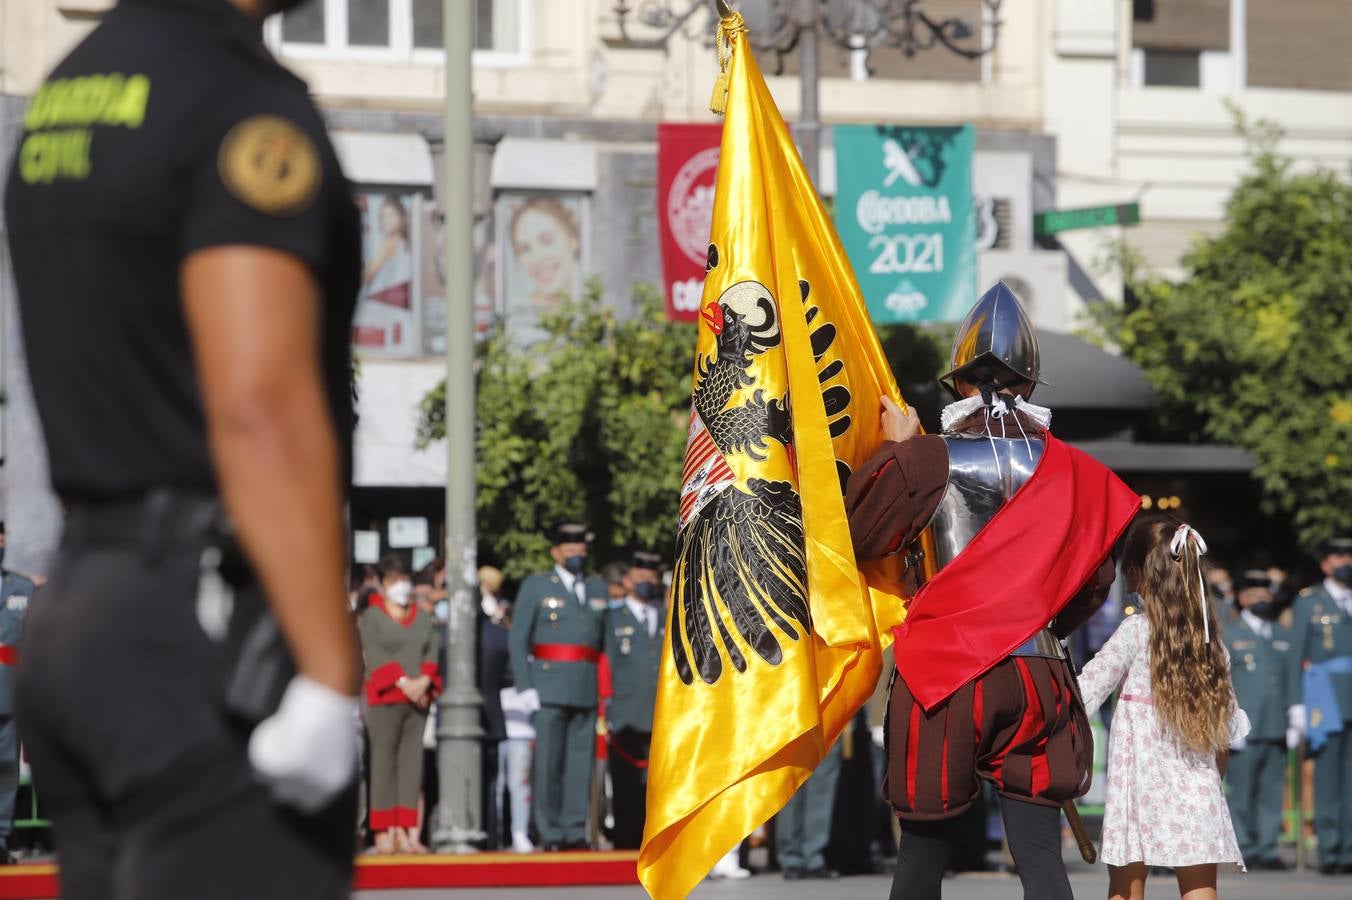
x: 1165, y: 803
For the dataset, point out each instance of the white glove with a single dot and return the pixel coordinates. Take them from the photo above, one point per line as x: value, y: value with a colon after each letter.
x: 1239, y: 745
x: 530, y: 700
x: 1293, y: 737
x: 1295, y: 718
x: 304, y: 752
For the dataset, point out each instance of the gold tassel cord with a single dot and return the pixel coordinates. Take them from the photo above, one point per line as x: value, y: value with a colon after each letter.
x: 728, y: 27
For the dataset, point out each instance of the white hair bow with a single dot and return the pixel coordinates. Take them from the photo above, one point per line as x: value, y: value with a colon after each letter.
x: 1176, y: 547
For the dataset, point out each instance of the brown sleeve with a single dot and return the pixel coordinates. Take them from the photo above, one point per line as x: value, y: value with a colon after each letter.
x: 1087, y: 601
x: 892, y: 497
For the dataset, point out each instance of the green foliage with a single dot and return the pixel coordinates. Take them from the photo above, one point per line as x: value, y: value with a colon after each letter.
x: 588, y: 424
x: 1254, y: 346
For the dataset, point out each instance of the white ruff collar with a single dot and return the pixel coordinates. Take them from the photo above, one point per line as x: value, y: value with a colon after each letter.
x: 954, y: 413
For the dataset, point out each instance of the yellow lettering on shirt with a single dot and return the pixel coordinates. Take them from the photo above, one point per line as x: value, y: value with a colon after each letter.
x: 113, y: 99
x: 48, y: 156
x: 61, y: 119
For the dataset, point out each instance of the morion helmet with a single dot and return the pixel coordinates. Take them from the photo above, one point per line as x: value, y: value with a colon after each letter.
x: 996, y: 333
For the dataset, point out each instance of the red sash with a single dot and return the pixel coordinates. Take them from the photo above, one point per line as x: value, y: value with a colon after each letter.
x: 565, y: 653
x: 1019, y: 571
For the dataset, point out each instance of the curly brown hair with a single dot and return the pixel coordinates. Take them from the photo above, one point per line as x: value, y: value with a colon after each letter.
x: 1189, y: 676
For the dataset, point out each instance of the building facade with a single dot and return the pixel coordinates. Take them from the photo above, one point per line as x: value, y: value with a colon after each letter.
x: 1082, y: 103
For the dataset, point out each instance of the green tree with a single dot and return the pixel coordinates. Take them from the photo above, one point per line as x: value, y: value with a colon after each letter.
x: 589, y: 423
x: 1254, y: 346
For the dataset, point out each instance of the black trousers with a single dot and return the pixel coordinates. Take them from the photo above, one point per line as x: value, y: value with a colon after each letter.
x: 1034, y: 841
x: 146, y: 779
x: 630, y: 784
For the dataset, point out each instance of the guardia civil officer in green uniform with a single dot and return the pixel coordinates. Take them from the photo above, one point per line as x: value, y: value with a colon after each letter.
x: 188, y: 254
x: 1264, y: 688
x: 555, y: 646
x: 635, y: 629
x: 1321, y: 657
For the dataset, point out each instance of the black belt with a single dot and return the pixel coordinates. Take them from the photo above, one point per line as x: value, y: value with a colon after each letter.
x: 161, y: 518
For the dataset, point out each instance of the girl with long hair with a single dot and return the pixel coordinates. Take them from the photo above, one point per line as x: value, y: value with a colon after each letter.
x: 1174, y: 724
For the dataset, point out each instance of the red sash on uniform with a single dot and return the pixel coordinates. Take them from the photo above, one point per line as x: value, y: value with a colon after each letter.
x: 1019, y: 571
x: 565, y: 653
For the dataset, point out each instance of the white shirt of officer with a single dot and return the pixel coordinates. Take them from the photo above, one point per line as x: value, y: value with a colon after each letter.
x: 1341, y: 595
x: 644, y: 612
x: 572, y: 583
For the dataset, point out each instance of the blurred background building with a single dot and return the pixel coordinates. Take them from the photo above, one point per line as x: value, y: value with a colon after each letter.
x: 1082, y: 103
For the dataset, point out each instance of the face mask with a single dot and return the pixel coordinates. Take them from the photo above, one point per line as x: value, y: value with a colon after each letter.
x: 399, y: 593
x: 575, y: 564
x: 647, y: 591
x: 1343, y: 575
x: 1263, y: 609
x: 442, y: 610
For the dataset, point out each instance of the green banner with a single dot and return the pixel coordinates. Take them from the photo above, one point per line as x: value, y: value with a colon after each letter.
x: 904, y: 213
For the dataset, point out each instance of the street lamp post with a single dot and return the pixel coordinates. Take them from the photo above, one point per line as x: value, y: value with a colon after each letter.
x: 861, y: 26
x: 459, y: 826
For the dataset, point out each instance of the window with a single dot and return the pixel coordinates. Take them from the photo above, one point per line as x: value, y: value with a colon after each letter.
x: 399, y: 28
x: 1182, y: 43
x: 427, y: 31
x: 368, y: 23
x: 304, y: 25
x: 1173, y: 68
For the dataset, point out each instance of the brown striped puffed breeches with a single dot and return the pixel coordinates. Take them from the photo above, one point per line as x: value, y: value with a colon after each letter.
x: 1020, y: 726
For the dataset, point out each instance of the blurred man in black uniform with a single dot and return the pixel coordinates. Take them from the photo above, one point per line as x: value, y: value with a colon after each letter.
x: 187, y: 256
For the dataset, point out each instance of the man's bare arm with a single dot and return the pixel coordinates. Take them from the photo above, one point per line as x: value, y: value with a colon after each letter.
x: 253, y: 317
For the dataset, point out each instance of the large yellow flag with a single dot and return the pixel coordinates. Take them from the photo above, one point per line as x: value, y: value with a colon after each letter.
x: 775, y: 636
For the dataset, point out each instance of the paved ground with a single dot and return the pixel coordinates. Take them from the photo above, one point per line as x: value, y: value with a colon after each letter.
x: 1088, y: 884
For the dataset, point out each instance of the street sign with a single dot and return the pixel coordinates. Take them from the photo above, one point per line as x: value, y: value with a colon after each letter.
x: 1058, y: 220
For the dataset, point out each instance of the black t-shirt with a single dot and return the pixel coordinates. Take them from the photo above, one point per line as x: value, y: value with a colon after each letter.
x: 169, y: 129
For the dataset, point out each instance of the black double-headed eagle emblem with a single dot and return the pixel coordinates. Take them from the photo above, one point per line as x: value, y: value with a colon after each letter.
x: 740, y: 558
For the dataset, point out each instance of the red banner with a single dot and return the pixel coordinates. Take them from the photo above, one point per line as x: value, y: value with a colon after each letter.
x: 687, y: 161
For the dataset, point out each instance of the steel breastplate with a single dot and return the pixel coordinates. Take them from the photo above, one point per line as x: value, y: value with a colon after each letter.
x: 983, y: 474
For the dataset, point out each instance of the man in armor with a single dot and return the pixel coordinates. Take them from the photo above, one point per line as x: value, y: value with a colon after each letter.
x: 1023, y: 529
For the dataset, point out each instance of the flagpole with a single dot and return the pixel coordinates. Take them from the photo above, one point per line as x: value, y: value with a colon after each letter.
x: 459, y: 732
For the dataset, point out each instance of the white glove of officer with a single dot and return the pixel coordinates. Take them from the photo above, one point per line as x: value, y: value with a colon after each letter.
x: 1295, y: 718
x: 305, y: 752
x: 530, y: 700
x: 1295, y: 726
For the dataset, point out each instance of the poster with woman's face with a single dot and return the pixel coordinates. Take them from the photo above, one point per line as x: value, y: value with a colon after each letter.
x: 385, y: 322
x: 540, y: 255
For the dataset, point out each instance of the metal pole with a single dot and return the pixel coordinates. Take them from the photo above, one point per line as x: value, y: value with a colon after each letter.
x: 459, y: 733
x: 809, y: 73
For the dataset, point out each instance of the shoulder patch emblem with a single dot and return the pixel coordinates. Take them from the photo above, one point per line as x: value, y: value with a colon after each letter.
x: 269, y: 163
